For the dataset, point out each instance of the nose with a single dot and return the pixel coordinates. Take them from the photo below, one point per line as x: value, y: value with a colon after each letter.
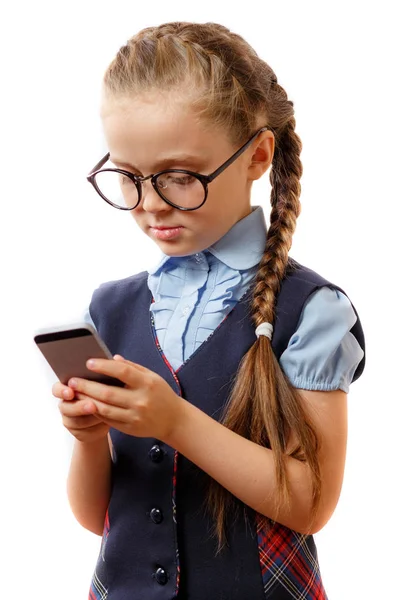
x: 151, y: 201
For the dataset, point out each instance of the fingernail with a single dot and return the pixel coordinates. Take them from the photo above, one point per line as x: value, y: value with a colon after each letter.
x: 72, y: 383
x: 88, y: 407
x: 66, y: 394
x: 90, y: 363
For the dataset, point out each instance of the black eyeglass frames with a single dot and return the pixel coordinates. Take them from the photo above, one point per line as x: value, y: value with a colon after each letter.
x: 182, y: 189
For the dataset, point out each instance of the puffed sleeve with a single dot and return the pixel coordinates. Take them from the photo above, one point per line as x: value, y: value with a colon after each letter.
x: 322, y: 354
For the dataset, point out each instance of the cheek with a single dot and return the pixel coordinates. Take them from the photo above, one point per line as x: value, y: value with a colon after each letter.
x: 209, y: 214
x: 229, y: 185
x: 221, y: 197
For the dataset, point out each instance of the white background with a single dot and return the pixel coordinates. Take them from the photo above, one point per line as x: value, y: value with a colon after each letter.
x: 339, y: 63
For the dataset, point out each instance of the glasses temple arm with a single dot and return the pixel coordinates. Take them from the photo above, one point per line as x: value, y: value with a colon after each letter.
x: 230, y: 160
x: 100, y: 163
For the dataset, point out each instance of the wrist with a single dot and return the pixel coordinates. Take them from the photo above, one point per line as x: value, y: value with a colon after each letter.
x: 179, y: 423
x: 92, y: 444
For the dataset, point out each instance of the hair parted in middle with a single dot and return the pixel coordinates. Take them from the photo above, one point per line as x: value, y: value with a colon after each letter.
x: 230, y: 86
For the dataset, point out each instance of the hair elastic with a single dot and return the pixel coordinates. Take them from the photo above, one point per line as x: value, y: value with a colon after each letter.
x: 264, y: 329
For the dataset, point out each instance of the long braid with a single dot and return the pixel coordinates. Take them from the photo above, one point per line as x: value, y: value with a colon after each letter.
x: 263, y: 405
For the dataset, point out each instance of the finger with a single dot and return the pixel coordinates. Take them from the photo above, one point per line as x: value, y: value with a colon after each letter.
x: 109, y: 412
x: 77, y: 408
x: 124, y: 370
x: 109, y: 394
x: 138, y: 367
x: 60, y: 390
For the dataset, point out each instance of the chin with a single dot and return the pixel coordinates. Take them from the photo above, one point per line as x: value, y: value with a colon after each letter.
x: 176, y: 249
x: 170, y: 252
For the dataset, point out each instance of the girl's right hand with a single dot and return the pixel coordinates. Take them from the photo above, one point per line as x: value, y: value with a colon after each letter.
x: 79, y: 416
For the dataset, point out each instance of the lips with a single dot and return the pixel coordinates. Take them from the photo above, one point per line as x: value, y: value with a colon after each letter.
x: 166, y: 233
x: 165, y: 227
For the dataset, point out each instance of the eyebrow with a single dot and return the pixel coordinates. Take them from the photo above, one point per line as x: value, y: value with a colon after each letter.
x: 183, y: 159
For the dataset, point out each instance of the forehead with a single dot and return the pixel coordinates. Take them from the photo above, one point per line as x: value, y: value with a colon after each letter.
x: 155, y: 125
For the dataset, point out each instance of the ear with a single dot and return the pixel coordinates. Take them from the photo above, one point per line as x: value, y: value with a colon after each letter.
x: 263, y: 153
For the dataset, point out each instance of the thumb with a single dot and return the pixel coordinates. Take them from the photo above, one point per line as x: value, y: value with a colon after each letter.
x: 129, y: 362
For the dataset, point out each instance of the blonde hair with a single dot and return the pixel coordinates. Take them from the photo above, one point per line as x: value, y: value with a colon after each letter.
x: 230, y: 86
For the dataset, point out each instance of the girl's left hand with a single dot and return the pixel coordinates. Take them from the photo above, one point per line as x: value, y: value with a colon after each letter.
x: 146, y: 407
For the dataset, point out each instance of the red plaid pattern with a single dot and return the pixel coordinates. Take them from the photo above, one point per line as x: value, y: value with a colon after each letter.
x: 289, y: 564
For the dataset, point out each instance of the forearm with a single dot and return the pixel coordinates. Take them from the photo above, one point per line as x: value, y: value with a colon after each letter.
x: 246, y: 469
x: 89, y: 483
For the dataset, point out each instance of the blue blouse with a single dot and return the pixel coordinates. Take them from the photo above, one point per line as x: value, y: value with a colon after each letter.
x: 194, y: 293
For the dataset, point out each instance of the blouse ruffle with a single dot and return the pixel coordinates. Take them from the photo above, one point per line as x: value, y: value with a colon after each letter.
x: 192, y: 295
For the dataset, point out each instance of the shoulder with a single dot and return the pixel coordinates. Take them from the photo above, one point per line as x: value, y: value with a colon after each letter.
x: 330, y: 295
x: 302, y: 287
x: 297, y: 285
x: 111, y: 294
x: 327, y: 349
x: 323, y: 353
x: 300, y: 275
x: 120, y: 285
x: 318, y: 310
x: 328, y: 306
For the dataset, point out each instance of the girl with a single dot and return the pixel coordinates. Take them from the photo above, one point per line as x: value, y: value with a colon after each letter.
x: 208, y: 473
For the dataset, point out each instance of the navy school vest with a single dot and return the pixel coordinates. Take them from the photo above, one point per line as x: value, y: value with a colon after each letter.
x: 157, y: 542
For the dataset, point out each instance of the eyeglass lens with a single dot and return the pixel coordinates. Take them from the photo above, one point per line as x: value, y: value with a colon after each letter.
x: 181, y: 189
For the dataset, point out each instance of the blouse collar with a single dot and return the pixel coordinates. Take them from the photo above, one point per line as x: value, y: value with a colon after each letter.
x: 240, y: 248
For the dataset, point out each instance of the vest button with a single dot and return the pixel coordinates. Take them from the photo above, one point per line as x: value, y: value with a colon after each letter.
x: 156, y: 454
x: 161, y: 576
x: 156, y: 515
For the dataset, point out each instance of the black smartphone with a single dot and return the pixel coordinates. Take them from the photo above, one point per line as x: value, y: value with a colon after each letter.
x: 68, y: 349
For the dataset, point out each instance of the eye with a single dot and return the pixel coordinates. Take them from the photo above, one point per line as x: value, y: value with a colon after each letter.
x: 183, y: 179
x: 175, y: 179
